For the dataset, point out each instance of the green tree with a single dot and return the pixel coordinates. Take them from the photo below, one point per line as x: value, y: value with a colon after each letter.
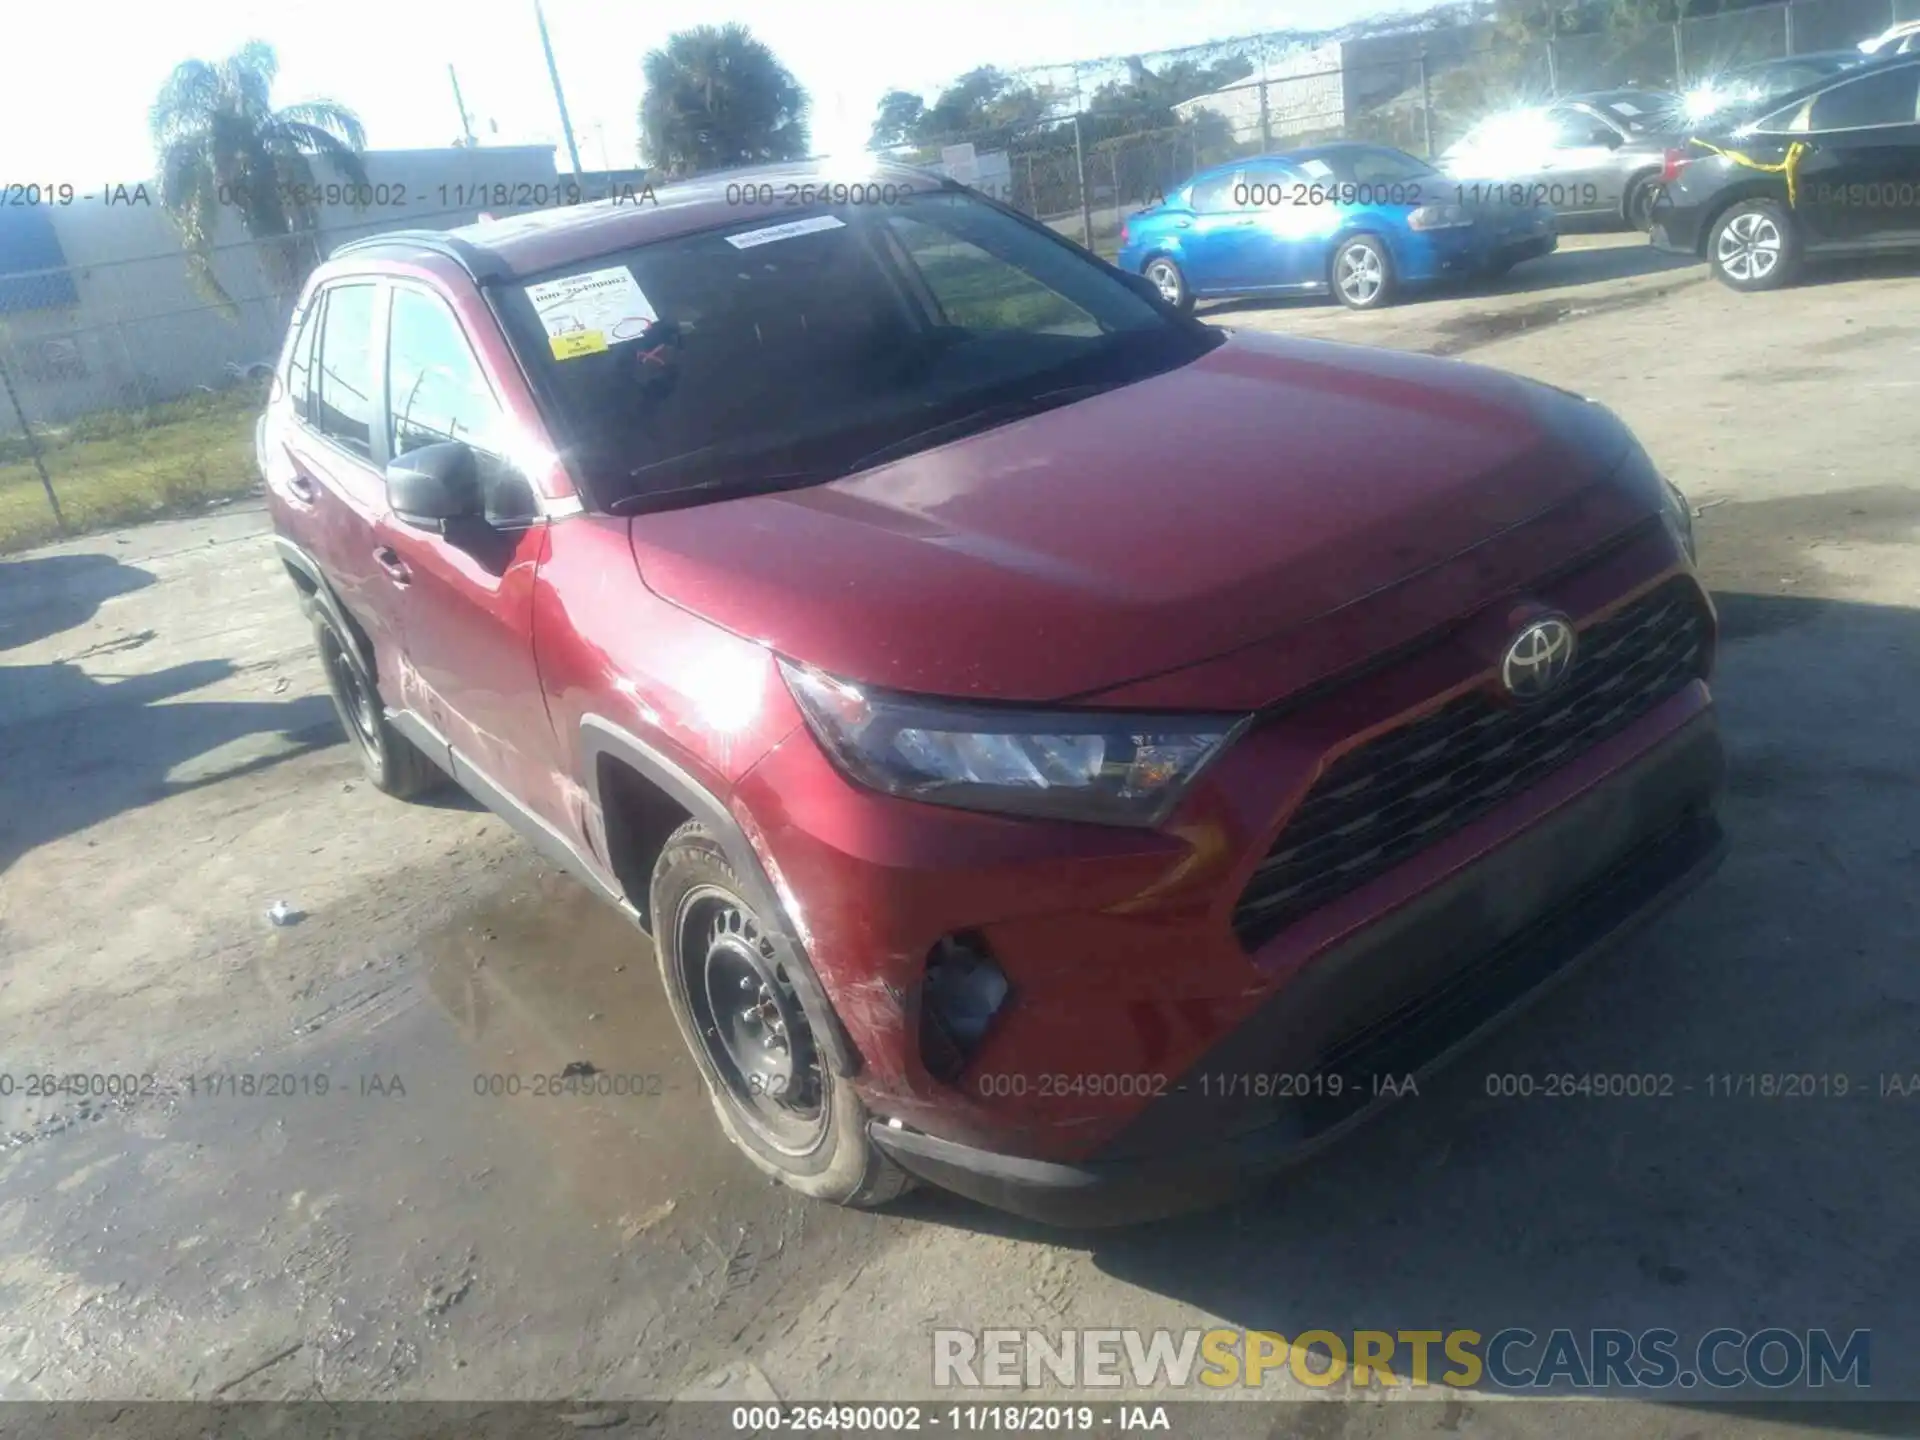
x: 899, y: 120
x: 718, y: 97
x: 987, y: 107
x: 221, y: 145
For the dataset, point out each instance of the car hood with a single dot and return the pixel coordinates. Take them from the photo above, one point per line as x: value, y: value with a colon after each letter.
x: 1264, y: 485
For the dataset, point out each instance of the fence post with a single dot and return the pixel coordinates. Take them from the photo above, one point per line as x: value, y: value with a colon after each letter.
x: 33, y: 446
x: 1679, y: 59
x: 1553, y: 74
x: 1086, y: 201
x: 1113, y: 157
x: 1788, y: 9
x: 1426, y: 107
x: 1266, y: 119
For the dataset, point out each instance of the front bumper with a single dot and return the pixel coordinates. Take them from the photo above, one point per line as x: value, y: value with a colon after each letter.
x: 1468, y: 252
x: 1427, y: 979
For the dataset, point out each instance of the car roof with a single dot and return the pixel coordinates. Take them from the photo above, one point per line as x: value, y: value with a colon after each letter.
x: 1871, y: 66
x: 1611, y: 97
x: 518, y: 246
x: 1323, y: 149
x: 1818, y: 57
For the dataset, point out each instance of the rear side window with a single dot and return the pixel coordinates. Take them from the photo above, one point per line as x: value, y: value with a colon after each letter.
x: 1884, y: 99
x: 343, y: 387
x: 1577, y: 130
x: 1214, y: 194
x: 300, y: 360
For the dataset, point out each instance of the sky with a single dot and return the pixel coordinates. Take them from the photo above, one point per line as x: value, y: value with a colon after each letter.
x: 74, y: 103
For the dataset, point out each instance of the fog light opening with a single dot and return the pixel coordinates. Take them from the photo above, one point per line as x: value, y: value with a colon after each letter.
x: 961, y: 994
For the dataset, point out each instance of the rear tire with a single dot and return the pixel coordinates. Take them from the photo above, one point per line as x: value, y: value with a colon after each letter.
x: 392, y: 763
x: 751, y: 1034
x: 1172, y: 284
x: 1361, y: 274
x: 1754, y: 246
x: 1637, y: 209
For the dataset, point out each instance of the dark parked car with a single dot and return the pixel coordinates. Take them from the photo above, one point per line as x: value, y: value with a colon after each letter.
x: 1060, y: 749
x: 1832, y: 169
x: 1590, y: 157
x: 1358, y: 221
x: 1740, y: 90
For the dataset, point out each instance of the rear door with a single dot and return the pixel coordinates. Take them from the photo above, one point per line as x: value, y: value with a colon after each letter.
x: 466, y: 588
x: 334, y: 474
x: 1858, y: 182
x: 1213, y: 243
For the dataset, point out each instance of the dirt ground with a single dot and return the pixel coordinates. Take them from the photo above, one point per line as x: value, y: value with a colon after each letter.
x: 169, y: 768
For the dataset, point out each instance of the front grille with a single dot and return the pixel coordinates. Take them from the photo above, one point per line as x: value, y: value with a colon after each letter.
x: 1398, y: 794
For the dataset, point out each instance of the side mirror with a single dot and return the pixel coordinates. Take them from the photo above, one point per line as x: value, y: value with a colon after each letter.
x: 1611, y: 139
x: 434, y: 484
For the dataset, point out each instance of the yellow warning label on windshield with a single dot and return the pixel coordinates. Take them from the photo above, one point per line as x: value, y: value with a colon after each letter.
x: 578, y: 342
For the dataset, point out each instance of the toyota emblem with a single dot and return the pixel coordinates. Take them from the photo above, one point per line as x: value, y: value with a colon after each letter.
x: 1538, y: 658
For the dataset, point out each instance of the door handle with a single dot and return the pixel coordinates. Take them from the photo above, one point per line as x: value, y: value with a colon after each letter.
x: 1182, y: 224
x: 302, y: 487
x: 388, y: 559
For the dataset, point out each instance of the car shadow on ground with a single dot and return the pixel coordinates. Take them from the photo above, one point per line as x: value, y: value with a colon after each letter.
x: 1727, y: 1201
x: 92, y: 749
x: 1564, y: 269
x: 76, y: 749
x: 47, y: 594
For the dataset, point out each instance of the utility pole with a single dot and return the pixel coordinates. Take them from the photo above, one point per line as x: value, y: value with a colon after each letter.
x: 553, y: 73
x: 466, y: 126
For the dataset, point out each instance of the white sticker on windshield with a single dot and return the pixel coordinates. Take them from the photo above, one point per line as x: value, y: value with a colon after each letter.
x: 1318, y: 169
x: 585, y: 314
x: 1626, y: 109
x: 766, y: 235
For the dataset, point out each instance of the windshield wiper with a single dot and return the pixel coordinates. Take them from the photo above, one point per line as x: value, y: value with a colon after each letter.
x: 728, y: 485
x: 743, y: 480
x: 985, y: 418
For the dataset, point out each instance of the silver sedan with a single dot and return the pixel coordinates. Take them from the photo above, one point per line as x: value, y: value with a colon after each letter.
x: 1592, y: 156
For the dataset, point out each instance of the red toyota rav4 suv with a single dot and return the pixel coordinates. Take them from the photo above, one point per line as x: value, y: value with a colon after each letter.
x: 1060, y: 749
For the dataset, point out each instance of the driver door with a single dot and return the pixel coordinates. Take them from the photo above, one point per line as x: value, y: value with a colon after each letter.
x: 466, y: 587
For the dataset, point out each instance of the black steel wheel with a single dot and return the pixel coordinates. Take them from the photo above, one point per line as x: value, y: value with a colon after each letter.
x: 730, y: 981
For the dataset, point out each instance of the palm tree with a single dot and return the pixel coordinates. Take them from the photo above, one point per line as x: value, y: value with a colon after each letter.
x: 221, y: 143
x: 717, y: 97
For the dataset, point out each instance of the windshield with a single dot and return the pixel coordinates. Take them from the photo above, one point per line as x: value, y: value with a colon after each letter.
x: 763, y: 354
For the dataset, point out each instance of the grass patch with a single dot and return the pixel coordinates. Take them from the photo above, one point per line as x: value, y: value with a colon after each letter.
x: 980, y: 293
x: 122, y: 466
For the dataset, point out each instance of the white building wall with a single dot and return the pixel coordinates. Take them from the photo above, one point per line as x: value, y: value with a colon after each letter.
x: 142, y: 332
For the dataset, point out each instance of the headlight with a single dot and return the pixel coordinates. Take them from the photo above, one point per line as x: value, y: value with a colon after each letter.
x: 1679, y: 517
x: 1110, y: 769
x: 1439, y: 217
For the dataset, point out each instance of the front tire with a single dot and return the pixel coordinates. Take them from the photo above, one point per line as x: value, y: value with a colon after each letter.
x: 1754, y: 246
x: 1171, y: 283
x: 752, y: 1036
x: 1362, y: 274
x: 392, y: 763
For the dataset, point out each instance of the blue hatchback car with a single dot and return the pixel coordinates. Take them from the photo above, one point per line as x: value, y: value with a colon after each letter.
x: 1355, y: 219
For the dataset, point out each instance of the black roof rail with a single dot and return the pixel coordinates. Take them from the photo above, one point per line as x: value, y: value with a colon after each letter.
x: 482, y: 264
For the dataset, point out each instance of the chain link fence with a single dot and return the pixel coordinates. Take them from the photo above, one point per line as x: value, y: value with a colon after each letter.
x: 128, y: 390
x: 1419, y: 91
